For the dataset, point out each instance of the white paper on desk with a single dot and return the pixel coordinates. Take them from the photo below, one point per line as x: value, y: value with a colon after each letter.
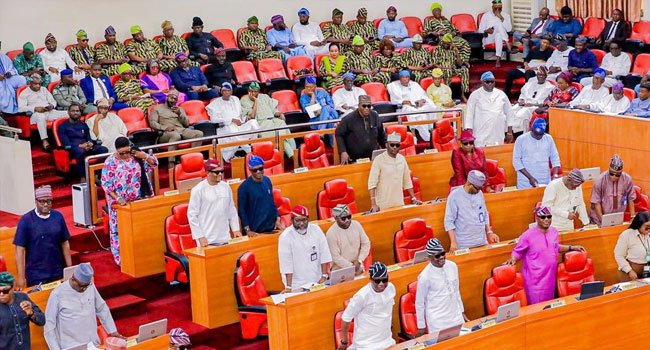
x: 312, y: 109
x: 280, y: 298
x: 465, y: 330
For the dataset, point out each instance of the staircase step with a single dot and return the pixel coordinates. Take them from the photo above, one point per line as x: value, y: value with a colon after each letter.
x: 126, y: 305
x: 51, y: 180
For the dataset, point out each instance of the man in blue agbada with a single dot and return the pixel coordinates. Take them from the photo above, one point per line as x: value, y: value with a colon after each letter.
x: 311, y: 96
x: 282, y: 40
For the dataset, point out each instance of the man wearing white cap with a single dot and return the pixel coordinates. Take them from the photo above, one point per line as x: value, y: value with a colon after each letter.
x: 371, y: 308
x: 564, y: 197
x: 410, y: 96
x: 489, y: 114
x: 389, y: 177
x: 438, y: 304
x: 303, y: 252
x: 495, y: 26
x: 347, y: 240
x: 72, y: 312
x: 466, y: 217
x: 106, y: 125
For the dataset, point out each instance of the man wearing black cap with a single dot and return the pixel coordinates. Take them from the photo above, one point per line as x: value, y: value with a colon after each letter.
x: 200, y: 44
x: 372, y: 310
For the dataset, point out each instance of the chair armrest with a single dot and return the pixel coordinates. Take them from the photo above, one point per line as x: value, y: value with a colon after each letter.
x: 256, y: 309
x: 182, y: 259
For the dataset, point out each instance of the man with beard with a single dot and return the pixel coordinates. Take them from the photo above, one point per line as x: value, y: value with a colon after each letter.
x: 172, y: 121
x: 141, y: 49
x: 282, y: 40
x: 348, y: 242
x: 394, y: 29
x: 309, y: 35
x: 200, y: 44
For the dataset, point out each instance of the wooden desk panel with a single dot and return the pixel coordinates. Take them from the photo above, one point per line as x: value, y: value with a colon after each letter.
x: 7, y: 248
x: 36, y: 332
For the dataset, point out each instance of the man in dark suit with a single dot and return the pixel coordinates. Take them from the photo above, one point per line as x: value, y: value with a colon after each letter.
x: 536, y: 30
x: 96, y: 86
x: 615, y: 30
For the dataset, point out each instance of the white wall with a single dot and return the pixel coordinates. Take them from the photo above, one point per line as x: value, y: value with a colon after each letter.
x: 31, y: 20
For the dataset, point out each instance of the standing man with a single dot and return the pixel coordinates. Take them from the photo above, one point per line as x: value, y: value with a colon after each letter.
x: 360, y: 132
x: 200, y: 44
x: 255, y: 204
x: 564, y: 198
x: 412, y: 97
x: 346, y: 99
x: 394, y: 29
x: 532, y: 96
x: 211, y: 213
x: 389, y: 177
x: 68, y: 92
x: 613, y: 192
x: 438, y: 304
x: 42, y: 243
x: 172, y: 121
x: 467, y: 221
x: 371, y: 308
x: 72, y: 312
x: 495, y: 26
x: 16, y: 311
x: 309, y: 35
x: 303, y: 252
x: 489, y: 114
x: 538, y: 248
x: 106, y: 126
x: 532, y: 153
x: 348, y: 242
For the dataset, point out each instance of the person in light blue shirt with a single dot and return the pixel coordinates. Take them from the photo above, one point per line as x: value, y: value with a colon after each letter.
x: 311, y: 95
x: 531, y: 155
x: 281, y: 39
x: 466, y: 217
x: 394, y: 29
x: 640, y: 107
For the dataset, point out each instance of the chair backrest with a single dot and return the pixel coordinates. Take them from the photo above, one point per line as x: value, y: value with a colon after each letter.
x: 600, y: 54
x: 642, y: 202
x: 178, y: 234
x: 273, y: 162
x: 479, y: 17
x: 312, y: 152
x: 269, y: 69
x: 629, y: 93
x: 641, y: 64
x: 413, y: 237
x: 443, y: 137
x: 52, y: 85
x: 114, y: 78
x: 226, y: 37
x: 287, y: 101
x: 195, y: 111
x: 244, y: 71
x: 338, y: 324
x: 464, y: 22
x: 496, y: 176
x: 186, y: 35
x: 376, y: 91
x: 297, y: 63
x: 376, y: 22
x: 336, y: 192
x: 284, y: 207
x: 575, y: 270
x: 407, y: 145
x: 55, y: 131
x: 3, y: 264
x: 426, y: 82
x: 317, y: 60
x: 13, y: 53
x: 505, y: 286
x: 593, y: 26
x: 249, y: 287
x: 190, y: 167
x: 417, y: 190
x: 407, y: 317
x: 133, y: 118
x: 413, y: 25
x: 577, y: 85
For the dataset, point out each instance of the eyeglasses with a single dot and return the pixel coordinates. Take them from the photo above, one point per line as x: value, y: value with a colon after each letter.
x: 468, y: 143
x: 216, y: 172
x: 345, y: 218
x: 544, y: 217
x: 611, y: 173
x: 365, y: 105
x: 394, y: 145
x: 381, y: 280
x: 124, y: 153
x: 489, y: 81
x: 44, y: 201
x: 84, y: 40
x: 257, y: 170
x: 439, y: 255
x: 5, y: 291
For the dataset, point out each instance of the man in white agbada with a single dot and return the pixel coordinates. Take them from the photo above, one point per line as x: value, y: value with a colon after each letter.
x: 40, y: 102
x: 615, y: 63
x: 495, y: 26
x: 227, y: 111
x: 559, y: 60
x: 532, y: 96
x: 438, y: 304
x: 309, y: 35
x: 616, y: 102
x: 106, y: 126
x: 564, y: 197
x: 592, y: 94
x: 371, y: 308
x: 412, y: 98
x: 303, y: 252
x: 346, y: 100
x: 531, y: 155
x: 211, y: 212
x: 56, y: 59
x: 489, y: 114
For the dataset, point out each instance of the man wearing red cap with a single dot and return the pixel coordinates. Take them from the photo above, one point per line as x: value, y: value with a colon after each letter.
x: 303, y: 252
x: 467, y: 158
x: 211, y: 212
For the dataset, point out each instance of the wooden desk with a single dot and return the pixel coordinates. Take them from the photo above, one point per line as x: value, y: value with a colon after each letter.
x: 36, y: 332
x: 7, y: 248
x: 157, y: 343
x: 308, y: 319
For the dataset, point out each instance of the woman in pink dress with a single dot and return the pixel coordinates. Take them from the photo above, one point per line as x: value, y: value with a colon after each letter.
x: 158, y: 83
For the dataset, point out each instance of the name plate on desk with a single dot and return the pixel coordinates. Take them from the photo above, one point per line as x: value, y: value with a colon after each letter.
x: 238, y: 239
x: 233, y: 181
x: 558, y: 303
x: 509, y: 189
x: 488, y: 323
x: 393, y: 267
x: 170, y: 193
x: 131, y: 342
x: 316, y: 287
x: 50, y: 285
x: 418, y: 346
x: 461, y: 252
x: 430, y: 150
x: 363, y: 160
x: 627, y: 286
x: 589, y: 227
x: 300, y: 170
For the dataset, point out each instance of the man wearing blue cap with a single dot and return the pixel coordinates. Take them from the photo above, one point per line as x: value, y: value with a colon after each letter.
x: 255, y: 204
x: 532, y: 153
x: 489, y: 114
x: 346, y: 99
x: 411, y: 97
x: 592, y: 94
x: 69, y: 91
x: 16, y: 312
x: 311, y: 96
x: 72, y: 312
x: 309, y: 35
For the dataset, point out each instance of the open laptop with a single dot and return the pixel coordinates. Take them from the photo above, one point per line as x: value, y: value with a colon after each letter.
x: 591, y: 289
x: 78, y: 347
x: 342, y: 275
x: 508, y: 311
x: 69, y: 271
x: 449, y: 333
x: 590, y: 173
x: 612, y: 219
x: 376, y: 153
x: 187, y: 185
x: 152, y: 330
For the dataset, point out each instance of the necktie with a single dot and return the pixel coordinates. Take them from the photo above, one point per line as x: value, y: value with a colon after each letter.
x: 101, y: 86
x: 612, y: 30
x: 540, y: 25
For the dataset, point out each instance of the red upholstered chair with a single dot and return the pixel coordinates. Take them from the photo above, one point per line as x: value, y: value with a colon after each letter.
x: 592, y: 28
x: 3, y: 264
x: 417, y: 190
x: 287, y: 101
x: 317, y: 60
x: 338, y: 324
x: 577, y: 85
x: 226, y: 37
x: 245, y: 72
x: 195, y: 111
x: 273, y: 162
x: 575, y: 270
x: 496, y: 176
x: 22, y: 121
x: 62, y: 159
x: 178, y: 237
x: 376, y: 22
x: 296, y: 63
x: 190, y: 167
x: 137, y: 127
x: 284, y: 207
x: 186, y: 35
x: 407, y: 146
x: 376, y: 91
x: 249, y: 289
x: 411, y: 238
x: 407, y: 318
x: 464, y: 22
x: 641, y: 62
x: 413, y: 25
x: 13, y: 53
x: 641, y: 31
x: 505, y: 286
x: 336, y: 192
x: 641, y: 203
x: 312, y: 152
x: 600, y: 54
x: 629, y: 93
x: 426, y: 82
x: 443, y: 137
x: 270, y: 69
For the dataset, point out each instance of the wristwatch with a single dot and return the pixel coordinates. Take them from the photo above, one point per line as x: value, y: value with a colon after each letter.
x: 325, y: 276
x: 344, y: 342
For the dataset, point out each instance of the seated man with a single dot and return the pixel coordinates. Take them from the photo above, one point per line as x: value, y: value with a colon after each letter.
x: 495, y: 26
x: 360, y: 62
x: 418, y: 59
x: 489, y: 114
x: 111, y: 54
x: 42, y: 243
x: 439, y: 93
x: 72, y: 312
x: 41, y: 104
x: 310, y: 96
x: 564, y: 197
x: 253, y: 41
x: 615, y: 30
x: 172, y: 121
x: 360, y: 132
x: 68, y: 92
x: 220, y: 71
x: 82, y: 53
x: 282, y: 40
x: 255, y: 204
x: 97, y: 86
x: 559, y: 60
x: 449, y: 59
x: 337, y: 32
x: 75, y: 137
x: 616, y: 102
x: 567, y: 25
x: 211, y: 213
x: 389, y: 177
x: 299, y: 265
x: 191, y: 81
x: 347, y: 241
x: 411, y: 97
x: 106, y: 126
x: 141, y: 49
x: 9, y: 82
x: 394, y: 29
x: 200, y: 44
x: 346, y: 99
x: 56, y: 59
x: 226, y: 111
x: 615, y: 63
x: 535, y: 32
x: 29, y: 63
x: 593, y: 93
x: 466, y: 217
x: 613, y: 192
x: 533, y: 152
x: 365, y: 29
x: 535, y: 59
x: 582, y: 61
x: 532, y: 96
x: 640, y: 107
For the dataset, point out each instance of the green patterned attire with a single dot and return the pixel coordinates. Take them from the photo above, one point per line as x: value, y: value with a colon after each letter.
x: 446, y: 59
x: 23, y: 65
x: 366, y: 30
x: 146, y: 49
x: 171, y: 48
x: 381, y: 61
x: 124, y: 90
x: 418, y: 58
x: 82, y: 56
x: 112, y: 52
x: 257, y: 38
x: 444, y: 26
x: 361, y: 61
x: 338, y: 32
x: 340, y: 67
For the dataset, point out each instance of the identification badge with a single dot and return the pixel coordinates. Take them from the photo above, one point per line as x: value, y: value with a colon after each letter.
x: 314, y: 256
x: 430, y: 151
x: 300, y: 170
x: 419, y: 346
x: 233, y: 181
x: 238, y: 239
x: 51, y: 285
x: 170, y: 193
x: 363, y: 160
x: 647, y: 258
x: 628, y: 286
